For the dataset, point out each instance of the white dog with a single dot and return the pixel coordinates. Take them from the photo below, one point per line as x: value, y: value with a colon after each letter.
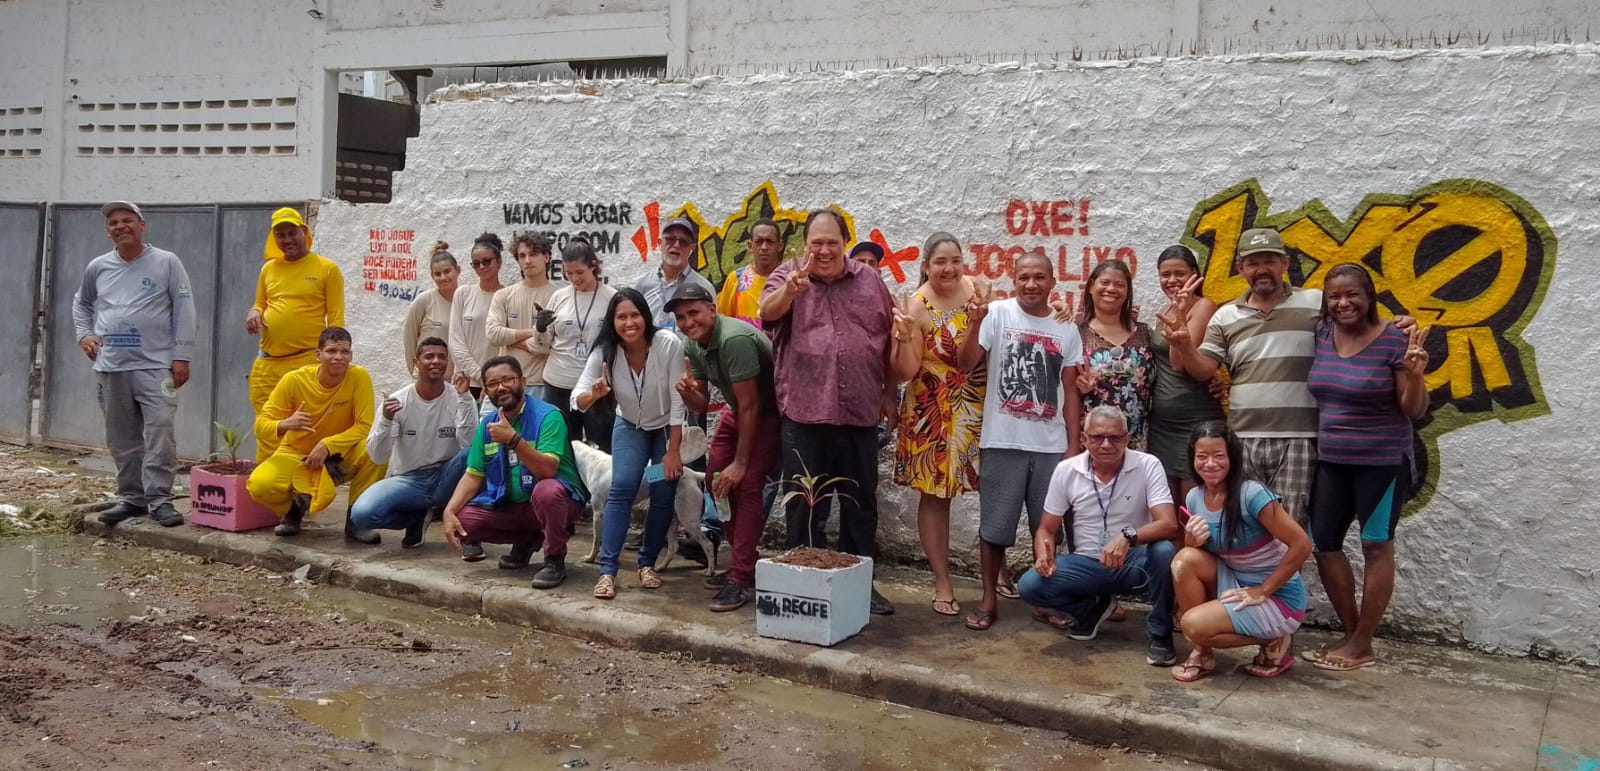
x: 594, y: 467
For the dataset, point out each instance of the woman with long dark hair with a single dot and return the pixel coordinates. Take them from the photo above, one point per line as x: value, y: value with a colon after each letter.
x: 936, y: 450
x: 1178, y: 403
x: 1237, y: 579
x: 637, y: 365
x: 1367, y: 378
x: 567, y: 332
x: 1118, y: 366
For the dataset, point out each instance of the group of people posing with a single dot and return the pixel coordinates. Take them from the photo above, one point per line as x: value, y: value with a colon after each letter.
x: 1099, y: 427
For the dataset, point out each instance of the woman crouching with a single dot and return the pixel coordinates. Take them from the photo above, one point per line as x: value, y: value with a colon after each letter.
x: 1237, y: 580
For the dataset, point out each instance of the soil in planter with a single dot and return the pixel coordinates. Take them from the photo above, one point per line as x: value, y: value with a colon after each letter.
x: 229, y: 468
x: 822, y: 559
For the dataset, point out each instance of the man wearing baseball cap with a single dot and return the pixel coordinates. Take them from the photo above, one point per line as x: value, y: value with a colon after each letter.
x: 1268, y: 340
x: 134, y: 318
x: 737, y: 359
x: 298, y: 294
x: 867, y: 253
x: 680, y: 241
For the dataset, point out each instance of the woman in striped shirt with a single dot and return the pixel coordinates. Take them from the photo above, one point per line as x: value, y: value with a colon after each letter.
x: 1237, y: 579
x: 1367, y: 378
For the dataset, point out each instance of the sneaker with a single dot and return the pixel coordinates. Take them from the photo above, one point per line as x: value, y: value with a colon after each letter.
x: 413, y: 537
x: 359, y: 535
x: 552, y: 574
x: 732, y: 597
x: 1084, y: 628
x: 717, y: 581
x: 519, y: 556
x: 122, y: 511
x: 166, y: 516
x: 472, y: 551
x: 1161, y: 653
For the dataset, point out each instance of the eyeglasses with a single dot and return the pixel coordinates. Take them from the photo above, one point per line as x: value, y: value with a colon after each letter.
x: 1106, y: 438
x: 505, y: 382
x: 482, y: 263
x: 676, y: 241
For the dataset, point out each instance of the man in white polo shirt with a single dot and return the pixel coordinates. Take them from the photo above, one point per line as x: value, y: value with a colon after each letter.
x: 1122, y: 519
x: 422, y: 432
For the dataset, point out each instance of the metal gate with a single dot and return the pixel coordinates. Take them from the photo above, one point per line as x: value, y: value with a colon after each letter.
x: 22, y: 229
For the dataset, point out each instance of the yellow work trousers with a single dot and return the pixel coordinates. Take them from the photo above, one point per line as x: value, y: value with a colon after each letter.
x: 264, y: 376
x: 275, y: 481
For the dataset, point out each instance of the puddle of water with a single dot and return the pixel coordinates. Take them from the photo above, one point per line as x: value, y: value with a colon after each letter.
x: 58, y: 580
x: 509, y: 716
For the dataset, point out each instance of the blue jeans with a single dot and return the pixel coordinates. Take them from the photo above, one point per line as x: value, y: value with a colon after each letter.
x: 1080, y: 581
x: 633, y: 448
x: 403, y: 500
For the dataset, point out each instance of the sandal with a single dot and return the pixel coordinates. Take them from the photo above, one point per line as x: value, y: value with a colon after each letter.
x: 1059, y: 623
x: 946, y: 607
x: 1272, y: 660
x: 648, y: 578
x: 606, y: 587
x: 1008, y: 590
x: 982, y: 620
x: 1193, y: 669
x: 1340, y: 663
x: 1118, y: 613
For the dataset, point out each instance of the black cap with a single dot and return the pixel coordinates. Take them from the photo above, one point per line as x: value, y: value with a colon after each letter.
x: 690, y: 292
x: 867, y: 246
x: 686, y: 224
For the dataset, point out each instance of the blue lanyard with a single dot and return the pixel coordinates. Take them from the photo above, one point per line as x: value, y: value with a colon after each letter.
x: 1111, y: 497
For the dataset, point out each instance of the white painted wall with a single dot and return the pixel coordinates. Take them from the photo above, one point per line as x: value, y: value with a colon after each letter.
x: 170, y: 54
x: 1498, y: 558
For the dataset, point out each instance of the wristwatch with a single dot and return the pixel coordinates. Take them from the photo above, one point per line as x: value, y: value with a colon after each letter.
x: 1132, y: 535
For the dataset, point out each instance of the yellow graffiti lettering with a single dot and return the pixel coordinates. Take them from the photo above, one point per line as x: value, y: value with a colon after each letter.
x: 1467, y: 256
x: 1464, y: 346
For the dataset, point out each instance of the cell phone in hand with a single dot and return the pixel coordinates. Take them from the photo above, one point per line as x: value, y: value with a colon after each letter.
x: 655, y: 472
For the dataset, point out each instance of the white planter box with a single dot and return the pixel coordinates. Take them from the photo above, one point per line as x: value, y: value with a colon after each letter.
x: 810, y: 605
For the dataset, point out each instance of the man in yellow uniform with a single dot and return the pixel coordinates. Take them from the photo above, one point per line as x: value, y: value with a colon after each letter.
x: 318, y: 417
x: 297, y: 295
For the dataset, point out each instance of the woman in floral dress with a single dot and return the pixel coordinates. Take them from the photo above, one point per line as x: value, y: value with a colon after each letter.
x: 1118, y: 369
x: 936, y: 452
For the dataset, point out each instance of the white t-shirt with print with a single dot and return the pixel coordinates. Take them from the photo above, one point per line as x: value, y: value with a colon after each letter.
x: 1023, y: 404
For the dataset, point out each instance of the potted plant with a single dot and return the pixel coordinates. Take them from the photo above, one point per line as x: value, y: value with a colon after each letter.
x: 217, y: 494
x: 807, y: 594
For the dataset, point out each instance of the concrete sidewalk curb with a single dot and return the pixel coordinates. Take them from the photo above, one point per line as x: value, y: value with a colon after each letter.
x: 1092, y: 718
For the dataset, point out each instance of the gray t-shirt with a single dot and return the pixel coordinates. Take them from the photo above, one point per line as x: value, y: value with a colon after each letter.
x: 142, y: 309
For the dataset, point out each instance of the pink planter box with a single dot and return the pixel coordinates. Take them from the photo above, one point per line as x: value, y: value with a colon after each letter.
x: 222, y: 502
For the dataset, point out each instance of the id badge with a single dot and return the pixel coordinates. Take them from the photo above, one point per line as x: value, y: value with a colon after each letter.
x: 581, y: 350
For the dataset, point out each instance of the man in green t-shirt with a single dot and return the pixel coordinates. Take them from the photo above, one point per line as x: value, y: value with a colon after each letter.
x: 517, y: 490
x: 737, y: 359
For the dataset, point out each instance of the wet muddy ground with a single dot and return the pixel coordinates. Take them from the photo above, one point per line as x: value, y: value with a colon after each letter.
x: 116, y: 657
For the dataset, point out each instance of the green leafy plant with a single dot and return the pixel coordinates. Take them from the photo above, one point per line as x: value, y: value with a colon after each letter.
x: 813, y: 490
x: 232, y: 438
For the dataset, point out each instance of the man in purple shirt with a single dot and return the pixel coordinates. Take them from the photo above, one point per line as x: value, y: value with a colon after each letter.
x: 832, y: 319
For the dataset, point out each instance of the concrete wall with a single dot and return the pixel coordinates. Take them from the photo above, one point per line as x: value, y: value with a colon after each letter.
x: 173, y: 101
x: 1455, y: 175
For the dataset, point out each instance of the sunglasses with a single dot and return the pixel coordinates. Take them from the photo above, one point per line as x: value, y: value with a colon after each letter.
x: 482, y: 263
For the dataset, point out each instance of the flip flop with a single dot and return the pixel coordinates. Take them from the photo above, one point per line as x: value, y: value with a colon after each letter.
x: 1058, y: 623
x: 1189, y: 673
x: 981, y: 620
x: 1313, y: 656
x: 1259, y: 668
x: 1008, y: 591
x: 946, y: 607
x: 1340, y: 664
